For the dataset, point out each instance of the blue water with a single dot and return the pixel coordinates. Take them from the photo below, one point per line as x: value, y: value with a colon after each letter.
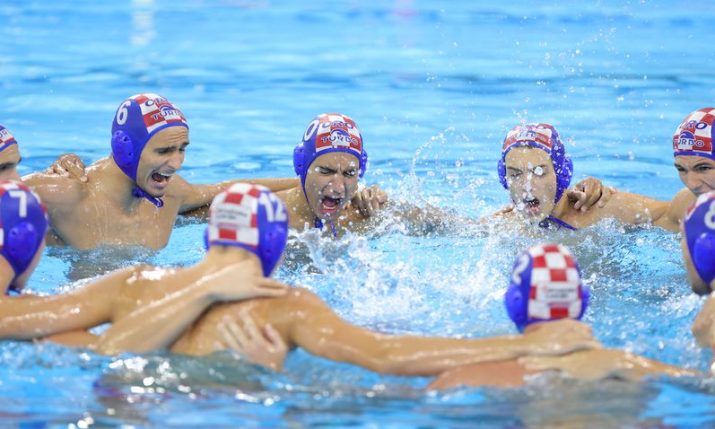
x: 434, y: 87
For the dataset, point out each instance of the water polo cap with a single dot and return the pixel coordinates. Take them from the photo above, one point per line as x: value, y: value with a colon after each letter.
x: 546, y: 138
x: 137, y: 119
x: 250, y: 217
x: 23, y: 224
x: 699, y: 227
x: 545, y: 285
x: 6, y: 139
x: 694, y: 135
x: 328, y: 132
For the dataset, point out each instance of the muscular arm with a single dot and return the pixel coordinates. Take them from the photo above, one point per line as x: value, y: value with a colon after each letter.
x: 158, y: 324
x: 28, y: 316
x: 593, y: 365
x: 321, y: 332
x: 197, y: 196
x: 590, y: 365
x: 634, y: 209
x: 178, y: 302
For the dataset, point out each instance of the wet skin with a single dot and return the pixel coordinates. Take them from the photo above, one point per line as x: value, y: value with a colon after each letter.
x: 9, y: 160
x: 162, y: 156
x: 330, y: 184
x: 103, y: 209
x: 532, y: 182
x: 532, y: 187
x: 697, y: 173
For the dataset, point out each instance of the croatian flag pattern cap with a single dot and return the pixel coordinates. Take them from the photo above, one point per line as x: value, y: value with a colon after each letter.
x: 6, y: 139
x: 136, y: 121
x: 555, y: 291
x: 234, y: 216
x: 335, y: 130
x: 694, y: 135
x: 538, y: 135
x: 251, y: 217
x: 545, y: 285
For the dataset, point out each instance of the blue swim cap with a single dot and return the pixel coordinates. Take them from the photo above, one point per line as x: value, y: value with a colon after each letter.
x: 250, y: 217
x: 328, y: 132
x: 545, y: 285
x: 546, y: 138
x: 23, y: 224
x: 136, y: 121
x: 699, y: 227
x: 6, y: 139
x: 695, y: 134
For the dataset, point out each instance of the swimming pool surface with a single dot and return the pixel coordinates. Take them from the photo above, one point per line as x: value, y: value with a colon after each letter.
x: 434, y: 86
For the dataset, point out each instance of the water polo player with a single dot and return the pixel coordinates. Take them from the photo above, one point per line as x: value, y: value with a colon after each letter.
x: 545, y: 285
x: 330, y: 159
x: 694, y: 158
x: 536, y: 170
x: 134, y: 196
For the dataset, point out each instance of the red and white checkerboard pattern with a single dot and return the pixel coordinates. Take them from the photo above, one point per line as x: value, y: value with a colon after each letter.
x: 157, y: 111
x: 555, y: 291
x: 336, y: 130
x: 233, y: 216
x: 700, y: 124
x: 6, y: 139
x: 539, y: 134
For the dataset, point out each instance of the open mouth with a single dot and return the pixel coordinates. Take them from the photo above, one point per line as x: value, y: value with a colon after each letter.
x: 532, y: 206
x: 161, y: 178
x: 329, y: 205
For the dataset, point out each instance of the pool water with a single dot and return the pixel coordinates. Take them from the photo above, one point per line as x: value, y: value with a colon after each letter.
x: 434, y: 87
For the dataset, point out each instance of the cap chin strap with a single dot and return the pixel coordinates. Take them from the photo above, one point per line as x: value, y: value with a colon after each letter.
x: 141, y: 193
x: 319, y: 224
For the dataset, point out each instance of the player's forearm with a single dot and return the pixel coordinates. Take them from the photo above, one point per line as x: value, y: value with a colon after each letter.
x: 28, y: 317
x: 430, y: 356
x: 157, y: 325
x: 412, y: 355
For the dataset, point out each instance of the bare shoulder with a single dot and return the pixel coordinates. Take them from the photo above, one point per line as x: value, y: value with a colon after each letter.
x: 57, y: 191
x: 682, y: 200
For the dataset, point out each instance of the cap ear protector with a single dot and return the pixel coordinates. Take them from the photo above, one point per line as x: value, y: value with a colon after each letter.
x: 124, y: 154
x: 703, y: 256
x: 514, y: 298
x: 699, y: 231
x: 545, y: 285
x: 17, y: 242
x: 250, y: 217
x: 319, y: 139
x: 535, y: 135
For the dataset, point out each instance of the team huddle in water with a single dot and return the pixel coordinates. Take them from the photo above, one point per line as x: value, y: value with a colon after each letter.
x: 228, y: 301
